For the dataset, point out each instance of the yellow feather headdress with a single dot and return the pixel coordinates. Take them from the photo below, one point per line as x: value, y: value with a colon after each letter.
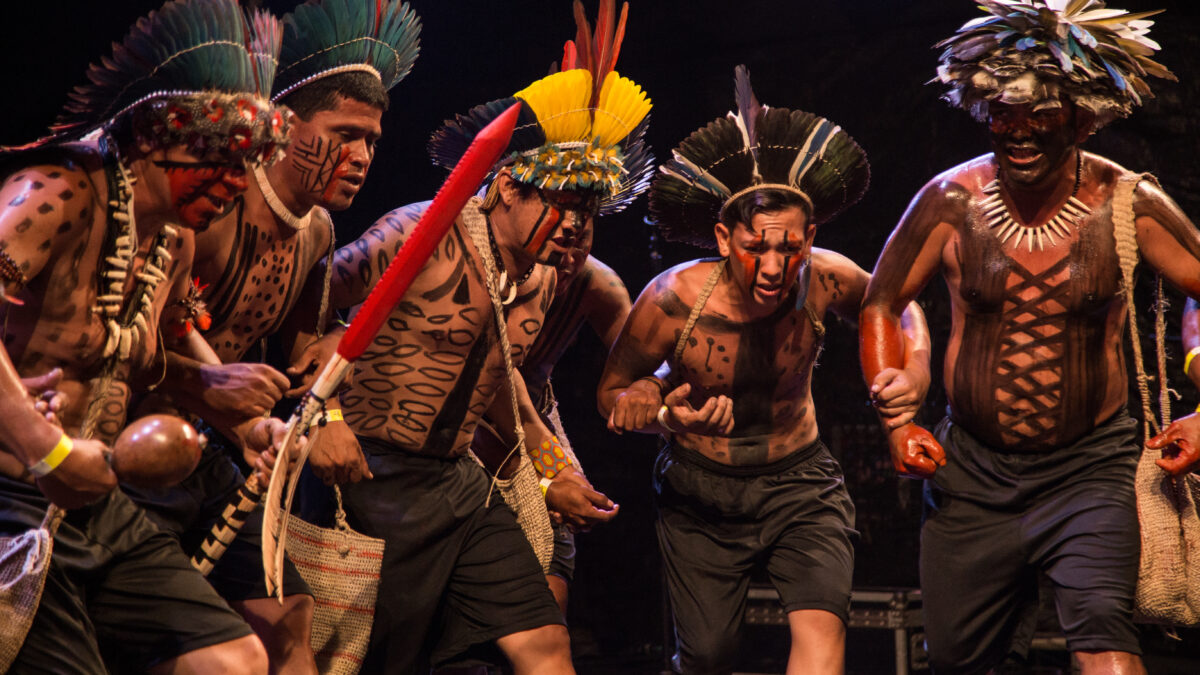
x: 582, y: 128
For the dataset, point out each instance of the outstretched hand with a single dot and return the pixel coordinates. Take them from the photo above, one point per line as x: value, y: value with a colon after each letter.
x: 714, y: 418
x: 915, y: 452
x: 571, y: 499
x: 1180, y: 445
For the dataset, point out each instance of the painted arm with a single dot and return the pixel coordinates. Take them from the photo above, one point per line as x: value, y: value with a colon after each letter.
x: 1168, y: 240
x: 631, y: 396
x: 910, y: 258
x: 569, y: 496
x: 31, y: 237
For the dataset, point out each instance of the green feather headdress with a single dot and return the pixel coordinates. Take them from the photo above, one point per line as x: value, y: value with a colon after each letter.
x: 198, y: 71
x: 755, y: 148
x: 582, y: 128
x: 326, y: 37
x: 1098, y: 57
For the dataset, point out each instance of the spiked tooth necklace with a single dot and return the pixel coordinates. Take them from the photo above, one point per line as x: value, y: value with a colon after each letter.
x: 1058, y: 227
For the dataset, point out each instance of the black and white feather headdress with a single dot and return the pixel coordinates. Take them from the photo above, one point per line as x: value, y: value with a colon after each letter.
x: 754, y: 148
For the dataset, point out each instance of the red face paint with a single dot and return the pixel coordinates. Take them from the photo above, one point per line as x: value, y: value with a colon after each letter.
x: 200, y: 191
x: 542, y: 229
x: 340, y: 170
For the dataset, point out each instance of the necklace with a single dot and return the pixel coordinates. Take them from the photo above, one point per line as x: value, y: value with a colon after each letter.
x: 277, y: 206
x: 1004, y: 226
x: 508, y: 287
x: 127, y: 319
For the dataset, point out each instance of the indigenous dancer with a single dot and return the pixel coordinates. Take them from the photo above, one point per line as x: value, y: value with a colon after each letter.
x: 96, y: 243
x: 1033, y: 469
x: 457, y: 572
x: 252, y: 265
x: 746, y: 480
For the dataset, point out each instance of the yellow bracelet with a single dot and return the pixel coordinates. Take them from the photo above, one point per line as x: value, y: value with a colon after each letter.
x: 545, y: 485
x: 1187, y: 360
x: 327, y: 417
x: 53, y: 458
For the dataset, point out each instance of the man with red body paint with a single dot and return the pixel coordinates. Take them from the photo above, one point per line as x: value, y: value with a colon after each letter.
x: 1032, y: 471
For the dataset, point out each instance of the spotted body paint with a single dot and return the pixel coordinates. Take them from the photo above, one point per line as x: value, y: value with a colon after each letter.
x: 55, y: 233
x: 255, y: 270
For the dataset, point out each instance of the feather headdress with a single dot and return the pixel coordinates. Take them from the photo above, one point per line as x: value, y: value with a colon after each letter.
x: 582, y: 128
x: 755, y: 148
x: 326, y: 37
x: 198, y: 72
x: 1026, y: 50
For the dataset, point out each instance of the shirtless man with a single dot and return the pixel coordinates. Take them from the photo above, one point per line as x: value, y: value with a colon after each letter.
x: 253, y: 264
x: 1033, y: 469
x: 83, y: 292
x: 746, y: 480
x: 458, y: 574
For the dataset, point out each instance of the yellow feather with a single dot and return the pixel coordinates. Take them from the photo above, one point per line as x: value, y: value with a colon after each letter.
x: 622, y: 106
x: 560, y: 102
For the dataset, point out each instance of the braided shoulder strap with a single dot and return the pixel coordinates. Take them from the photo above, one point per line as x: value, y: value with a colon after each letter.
x: 1125, y: 235
x: 709, y: 284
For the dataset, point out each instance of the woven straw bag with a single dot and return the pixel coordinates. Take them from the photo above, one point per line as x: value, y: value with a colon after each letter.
x: 24, y: 562
x: 524, y: 497
x: 342, y: 567
x: 1168, y: 588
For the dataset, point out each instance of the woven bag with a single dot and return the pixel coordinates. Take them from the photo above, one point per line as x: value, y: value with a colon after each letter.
x: 342, y: 568
x: 1168, y: 587
x: 24, y: 562
x: 524, y: 497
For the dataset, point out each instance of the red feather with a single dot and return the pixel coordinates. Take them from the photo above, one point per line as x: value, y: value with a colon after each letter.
x: 569, y: 56
x: 617, y: 39
x: 583, y: 37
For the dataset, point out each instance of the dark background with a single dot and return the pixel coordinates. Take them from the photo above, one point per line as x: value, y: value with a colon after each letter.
x: 862, y: 64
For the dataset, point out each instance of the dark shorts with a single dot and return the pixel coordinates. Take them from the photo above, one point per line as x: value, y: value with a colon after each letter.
x: 717, y: 523
x: 119, y: 596
x: 562, y: 562
x: 189, y: 510
x: 995, y: 520
x: 456, y: 575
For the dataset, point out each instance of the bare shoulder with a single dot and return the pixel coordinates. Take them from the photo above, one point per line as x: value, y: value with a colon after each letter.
x: 64, y: 185
x: 837, y: 279
x: 603, y: 279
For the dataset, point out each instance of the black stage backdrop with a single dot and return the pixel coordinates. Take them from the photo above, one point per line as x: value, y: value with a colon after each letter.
x: 862, y: 64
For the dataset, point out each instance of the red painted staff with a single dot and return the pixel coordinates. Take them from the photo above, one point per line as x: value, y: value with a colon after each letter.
x: 462, y: 183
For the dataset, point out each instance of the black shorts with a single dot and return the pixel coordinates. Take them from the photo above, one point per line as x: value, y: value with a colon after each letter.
x: 455, y: 575
x: 717, y: 523
x: 994, y: 520
x: 119, y: 596
x: 188, y: 511
x: 562, y: 562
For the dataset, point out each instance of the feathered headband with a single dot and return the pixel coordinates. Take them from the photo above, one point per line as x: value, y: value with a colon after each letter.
x: 755, y: 148
x: 582, y: 128
x: 198, y: 72
x: 1027, y: 50
x: 327, y: 37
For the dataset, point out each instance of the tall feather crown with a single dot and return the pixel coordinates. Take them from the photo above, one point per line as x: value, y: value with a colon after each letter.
x: 582, y: 128
x: 198, y: 72
x: 755, y: 148
x: 327, y: 37
x: 1026, y: 50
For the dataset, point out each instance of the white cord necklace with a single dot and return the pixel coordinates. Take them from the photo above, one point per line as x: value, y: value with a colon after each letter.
x: 277, y: 206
